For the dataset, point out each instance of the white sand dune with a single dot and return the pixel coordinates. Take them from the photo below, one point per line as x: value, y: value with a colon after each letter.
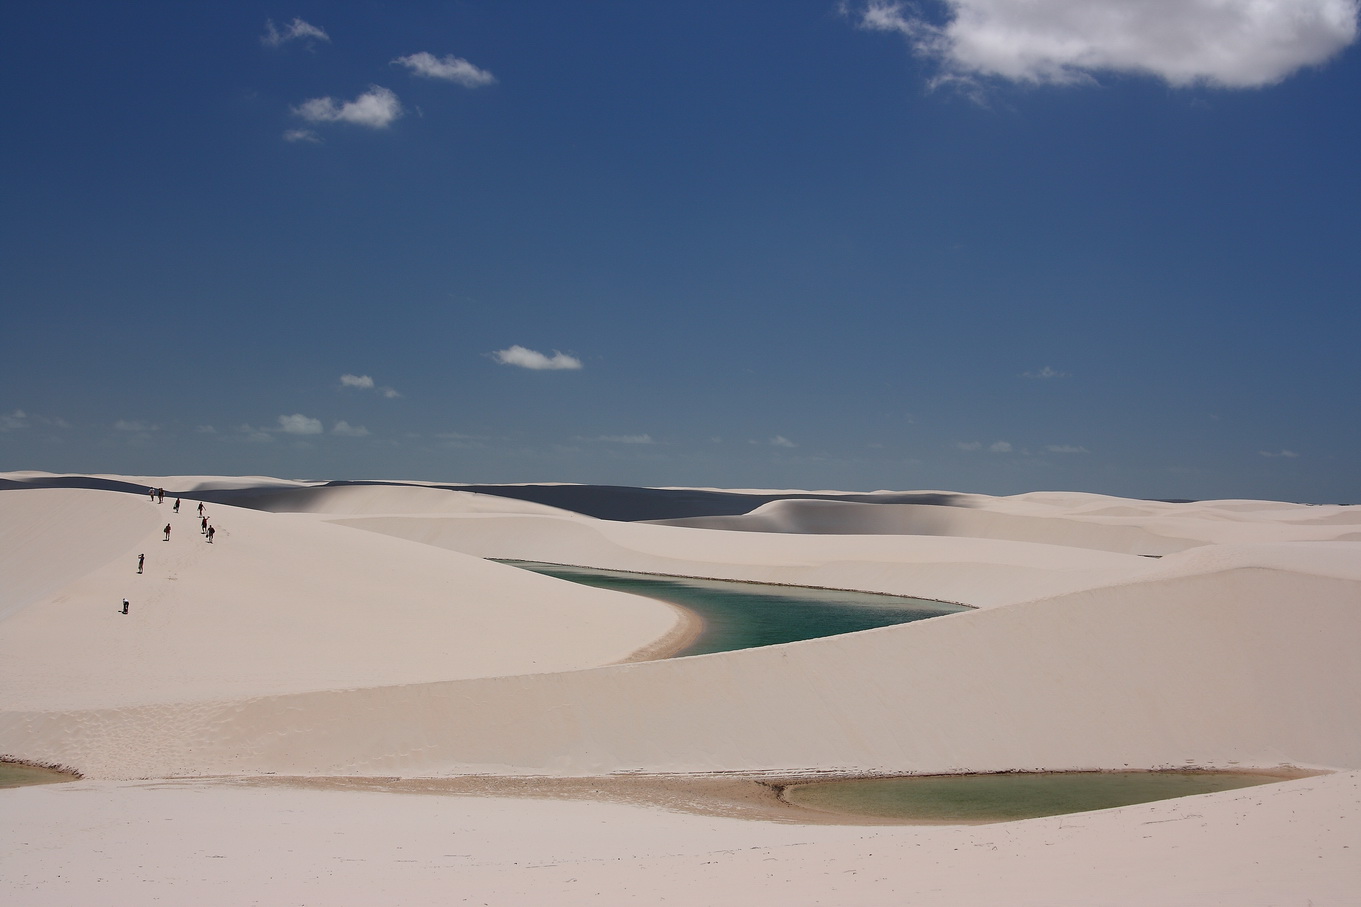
x: 355, y: 630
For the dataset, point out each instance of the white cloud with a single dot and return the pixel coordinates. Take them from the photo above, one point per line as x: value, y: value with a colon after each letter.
x: 1000, y: 447
x: 258, y: 435
x: 969, y: 445
x: 782, y: 441
x: 293, y: 31
x: 345, y: 429
x: 14, y: 421
x: 206, y: 430
x: 533, y: 359
x: 376, y: 108
x: 1288, y: 454
x: 1066, y: 449
x: 298, y: 424
x: 1045, y: 372
x: 134, y: 425
x: 365, y: 382
x: 448, y: 68
x: 627, y: 439
x: 1225, y: 43
x: 301, y: 135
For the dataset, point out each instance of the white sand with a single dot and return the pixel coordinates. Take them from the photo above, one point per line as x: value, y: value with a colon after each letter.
x: 356, y: 631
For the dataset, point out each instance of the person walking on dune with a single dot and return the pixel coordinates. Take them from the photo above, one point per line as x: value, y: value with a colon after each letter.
x: 212, y: 531
x: 204, y: 528
x: 167, y: 532
x: 177, y: 505
x: 141, y: 559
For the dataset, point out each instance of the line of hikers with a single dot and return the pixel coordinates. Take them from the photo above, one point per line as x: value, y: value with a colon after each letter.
x: 206, y: 529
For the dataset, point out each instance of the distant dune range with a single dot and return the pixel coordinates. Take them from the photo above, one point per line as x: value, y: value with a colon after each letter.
x: 358, y: 629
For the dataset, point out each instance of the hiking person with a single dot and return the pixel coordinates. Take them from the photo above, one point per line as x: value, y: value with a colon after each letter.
x: 177, y: 505
x: 167, y: 532
x: 141, y: 559
x: 212, y: 531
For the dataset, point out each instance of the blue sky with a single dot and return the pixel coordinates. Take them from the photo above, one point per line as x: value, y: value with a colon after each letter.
x: 977, y: 245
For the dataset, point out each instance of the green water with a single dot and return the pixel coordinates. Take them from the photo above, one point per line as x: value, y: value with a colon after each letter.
x: 13, y: 774
x: 1007, y: 797
x: 747, y: 615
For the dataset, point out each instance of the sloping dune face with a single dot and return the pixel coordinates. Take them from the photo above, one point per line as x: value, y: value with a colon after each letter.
x: 361, y: 633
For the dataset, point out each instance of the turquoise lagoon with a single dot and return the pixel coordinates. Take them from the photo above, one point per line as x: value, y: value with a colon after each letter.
x: 740, y: 615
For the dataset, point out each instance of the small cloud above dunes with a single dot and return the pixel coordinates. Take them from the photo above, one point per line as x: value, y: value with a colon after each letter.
x: 1066, y: 449
x: 298, y: 424
x: 781, y: 441
x: 301, y: 135
x: 1045, y: 373
x: 1287, y: 454
x: 446, y: 69
x: 134, y: 425
x: 522, y: 357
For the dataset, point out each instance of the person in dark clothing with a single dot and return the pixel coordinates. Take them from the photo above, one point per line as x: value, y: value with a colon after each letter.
x: 141, y: 559
x: 167, y: 532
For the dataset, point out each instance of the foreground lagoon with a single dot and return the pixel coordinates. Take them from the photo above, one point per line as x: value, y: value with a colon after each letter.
x: 976, y: 799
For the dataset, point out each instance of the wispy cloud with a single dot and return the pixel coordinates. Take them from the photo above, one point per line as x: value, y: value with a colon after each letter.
x: 627, y: 439
x: 365, y: 382
x: 18, y: 420
x: 532, y: 359
x: 997, y: 447
x: 346, y: 430
x: 1288, y: 454
x: 298, y: 424
x: 297, y: 30
x: 448, y: 69
x: 134, y: 425
x: 1044, y: 373
x: 1066, y: 449
x: 376, y: 108
x: 1224, y: 43
x: 301, y: 135
x: 781, y: 441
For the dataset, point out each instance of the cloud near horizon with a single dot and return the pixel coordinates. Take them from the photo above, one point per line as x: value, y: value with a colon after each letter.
x: 627, y: 439
x: 376, y: 108
x: 293, y: 31
x: 447, y: 69
x: 523, y: 357
x: 1222, y: 43
x: 298, y: 424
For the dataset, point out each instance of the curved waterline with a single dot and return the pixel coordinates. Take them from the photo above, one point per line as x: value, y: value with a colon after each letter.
x: 973, y: 799
x: 23, y: 774
x: 743, y: 615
